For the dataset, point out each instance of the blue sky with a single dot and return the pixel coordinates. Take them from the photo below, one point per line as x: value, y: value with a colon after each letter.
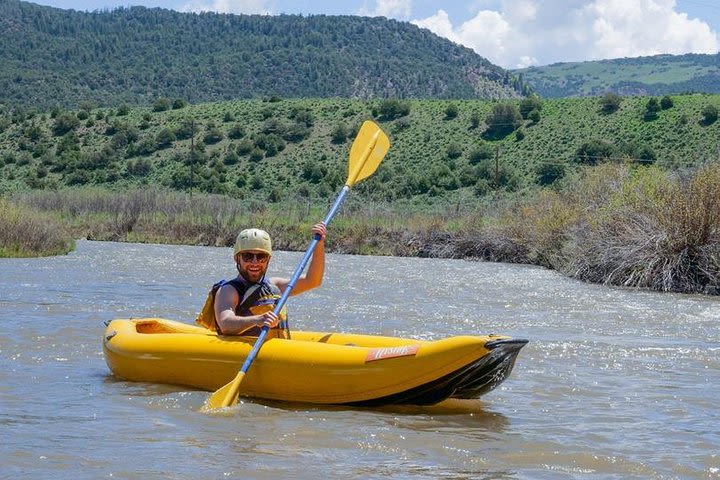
x: 510, y: 33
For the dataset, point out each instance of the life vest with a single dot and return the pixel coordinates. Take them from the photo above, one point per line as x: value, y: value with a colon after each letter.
x: 255, y: 299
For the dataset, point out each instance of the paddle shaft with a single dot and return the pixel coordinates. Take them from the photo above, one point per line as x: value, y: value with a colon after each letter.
x: 298, y: 271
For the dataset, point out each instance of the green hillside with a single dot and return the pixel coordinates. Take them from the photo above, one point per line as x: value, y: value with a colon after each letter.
x: 284, y: 149
x: 52, y: 57
x: 656, y: 75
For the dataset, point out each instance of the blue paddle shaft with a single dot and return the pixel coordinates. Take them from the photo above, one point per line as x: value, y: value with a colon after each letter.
x: 298, y: 271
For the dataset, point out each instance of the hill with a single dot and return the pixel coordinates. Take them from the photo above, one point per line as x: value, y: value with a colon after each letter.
x: 441, y: 150
x: 135, y: 55
x: 655, y: 75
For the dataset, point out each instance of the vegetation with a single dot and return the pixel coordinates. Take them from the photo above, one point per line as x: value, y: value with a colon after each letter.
x: 268, y: 151
x: 614, y: 224
x: 655, y: 75
x: 26, y: 233
x: 66, y: 58
x: 605, y: 197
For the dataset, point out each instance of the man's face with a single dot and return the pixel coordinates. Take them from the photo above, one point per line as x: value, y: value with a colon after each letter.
x: 252, y: 264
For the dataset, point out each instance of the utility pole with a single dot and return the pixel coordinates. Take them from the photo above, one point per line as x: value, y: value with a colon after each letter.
x: 497, y: 166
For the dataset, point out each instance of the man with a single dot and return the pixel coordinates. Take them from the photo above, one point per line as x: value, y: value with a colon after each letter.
x: 245, y: 304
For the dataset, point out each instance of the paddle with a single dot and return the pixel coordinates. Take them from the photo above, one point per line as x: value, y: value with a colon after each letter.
x: 367, y: 151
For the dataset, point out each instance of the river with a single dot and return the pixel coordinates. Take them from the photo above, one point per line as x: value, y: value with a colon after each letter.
x: 615, y: 383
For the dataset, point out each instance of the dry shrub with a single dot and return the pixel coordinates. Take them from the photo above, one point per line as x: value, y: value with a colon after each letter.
x: 657, y: 231
x: 25, y: 232
x: 538, y: 228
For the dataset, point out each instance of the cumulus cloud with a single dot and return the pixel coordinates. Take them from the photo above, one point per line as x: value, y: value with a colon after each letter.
x: 388, y: 8
x: 228, y: 6
x: 521, y: 33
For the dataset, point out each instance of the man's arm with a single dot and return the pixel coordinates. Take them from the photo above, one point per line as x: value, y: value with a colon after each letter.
x: 316, y: 270
x: 226, y: 300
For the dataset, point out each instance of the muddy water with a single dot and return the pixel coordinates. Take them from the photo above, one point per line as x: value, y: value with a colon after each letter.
x: 614, y: 384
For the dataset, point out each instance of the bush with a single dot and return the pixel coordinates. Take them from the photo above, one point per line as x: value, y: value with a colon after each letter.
x: 655, y: 231
x: 451, y: 111
x: 161, y: 104
x: 213, y: 136
x: 453, y: 151
x: 474, y: 120
x: 339, y: 133
x: 530, y: 104
x: 139, y: 168
x: 594, y: 151
x: 245, y: 147
x: 651, y: 109
x: 123, y: 110
x: 164, y: 138
x: 237, y: 131
x: 26, y: 233
x: 710, y: 114
x: 549, y: 173
x: 610, y: 102
x: 483, y: 152
x: 666, y: 102
x: 504, y: 119
x: 178, y: 103
x: 64, y: 123
x: 393, y: 108
x: 534, y: 117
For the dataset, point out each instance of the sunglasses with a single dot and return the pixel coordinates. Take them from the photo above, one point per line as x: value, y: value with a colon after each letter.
x: 258, y: 257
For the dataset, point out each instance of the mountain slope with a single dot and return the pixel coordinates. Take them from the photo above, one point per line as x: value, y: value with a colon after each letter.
x: 656, y: 75
x: 64, y: 57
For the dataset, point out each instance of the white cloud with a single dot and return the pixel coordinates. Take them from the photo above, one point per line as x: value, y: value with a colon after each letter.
x: 440, y: 25
x: 228, y: 6
x: 388, y: 8
x: 521, y: 33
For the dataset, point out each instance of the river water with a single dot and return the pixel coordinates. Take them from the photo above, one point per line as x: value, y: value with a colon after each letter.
x: 614, y: 383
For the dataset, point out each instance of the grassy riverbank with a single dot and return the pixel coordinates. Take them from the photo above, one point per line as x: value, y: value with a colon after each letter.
x: 25, y: 232
x: 613, y: 224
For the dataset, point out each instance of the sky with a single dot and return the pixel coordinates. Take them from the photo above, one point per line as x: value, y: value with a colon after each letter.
x: 509, y: 33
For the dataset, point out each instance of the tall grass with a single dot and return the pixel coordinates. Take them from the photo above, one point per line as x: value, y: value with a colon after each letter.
x: 28, y: 233
x: 657, y: 230
x: 612, y: 224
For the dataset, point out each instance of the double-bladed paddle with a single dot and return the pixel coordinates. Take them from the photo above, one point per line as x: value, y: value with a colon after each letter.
x: 367, y: 151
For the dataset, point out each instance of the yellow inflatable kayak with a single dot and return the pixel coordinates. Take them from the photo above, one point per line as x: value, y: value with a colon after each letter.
x: 312, y: 367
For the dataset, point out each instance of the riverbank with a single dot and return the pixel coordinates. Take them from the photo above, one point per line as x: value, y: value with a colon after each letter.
x: 634, y: 227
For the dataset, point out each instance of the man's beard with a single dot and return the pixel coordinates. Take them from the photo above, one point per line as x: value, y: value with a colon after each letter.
x: 248, y: 276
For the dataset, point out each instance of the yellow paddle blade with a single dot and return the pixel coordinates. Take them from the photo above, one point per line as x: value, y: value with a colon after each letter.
x: 225, y: 396
x: 367, y: 151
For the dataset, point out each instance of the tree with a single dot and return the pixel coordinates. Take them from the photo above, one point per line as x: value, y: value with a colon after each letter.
x: 483, y: 152
x: 453, y: 151
x: 164, y: 138
x: 64, y: 123
x: 504, y: 119
x: 393, y: 108
x: 651, y: 109
x: 610, y: 102
x: 666, y: 102
x: 710, y: 114
x: 236, y: 131
x: 161, y: 104
x: 548, y: 173
x: 451, y: 111
x: 593, y: 151
x: 339, y: 133
x: 212, y: 136
x: 530, y: 104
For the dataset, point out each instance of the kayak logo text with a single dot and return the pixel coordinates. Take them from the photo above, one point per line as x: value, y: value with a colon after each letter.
x: 391, y: 352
